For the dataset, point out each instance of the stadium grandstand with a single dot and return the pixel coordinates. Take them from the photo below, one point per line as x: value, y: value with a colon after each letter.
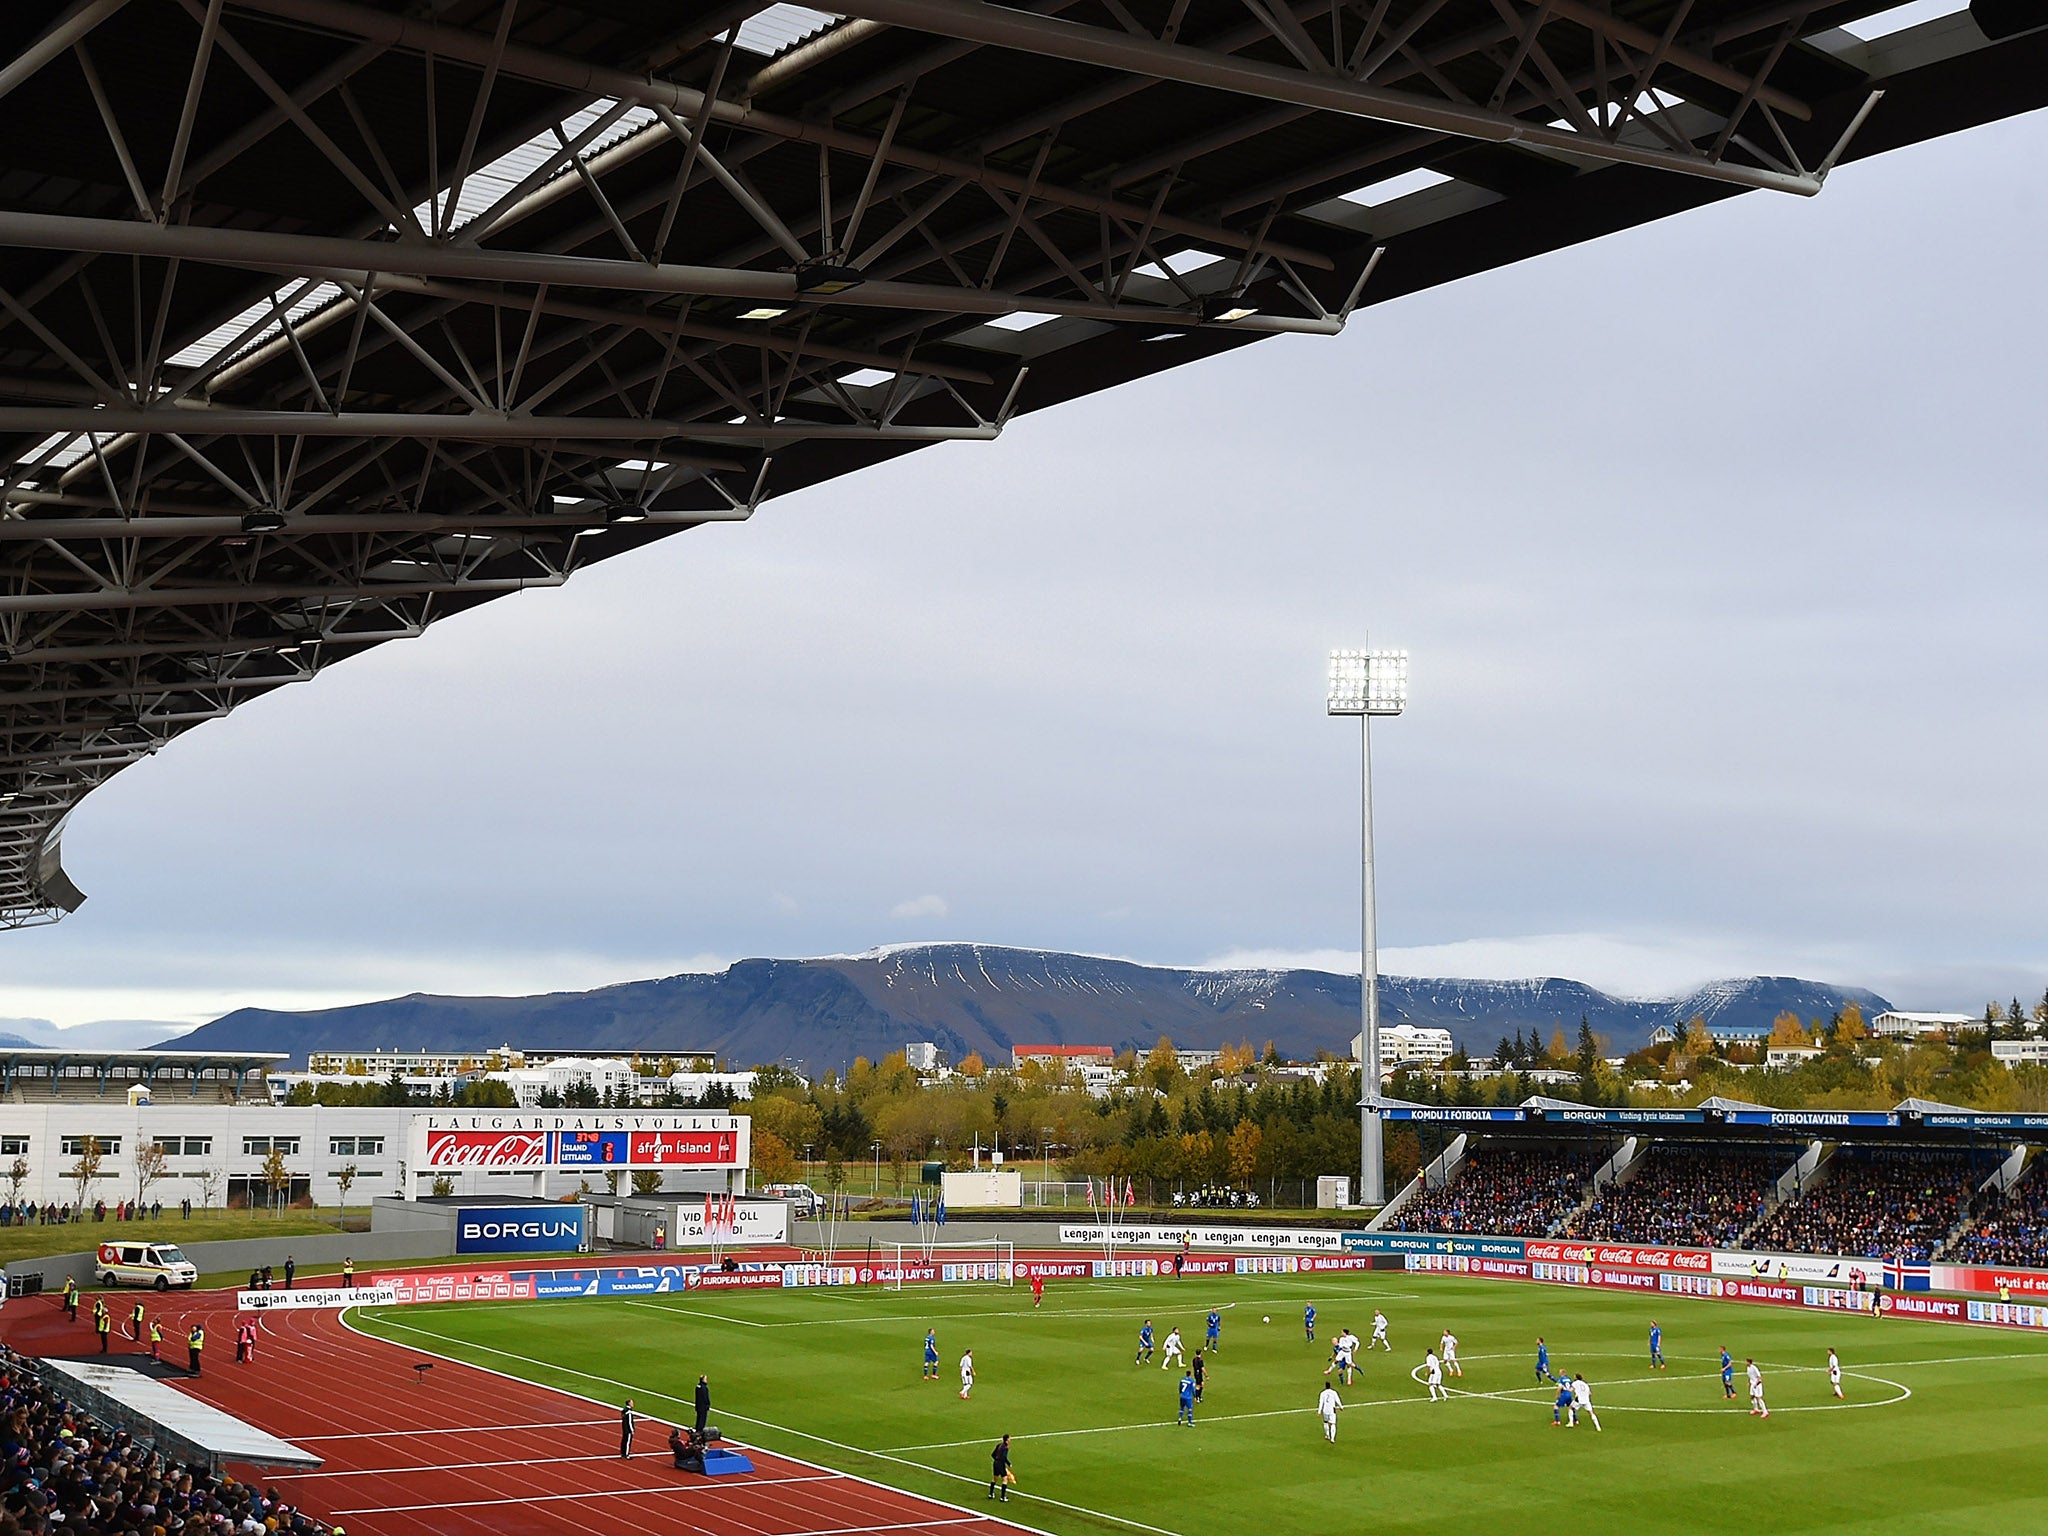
x: 1919, y: 1182
x: 327, y: 319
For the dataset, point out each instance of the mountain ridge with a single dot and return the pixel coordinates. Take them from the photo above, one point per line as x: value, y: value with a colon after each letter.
x: 987, y: 998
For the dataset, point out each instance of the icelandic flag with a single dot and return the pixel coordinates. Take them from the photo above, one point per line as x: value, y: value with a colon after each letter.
x: 1903, y: 1275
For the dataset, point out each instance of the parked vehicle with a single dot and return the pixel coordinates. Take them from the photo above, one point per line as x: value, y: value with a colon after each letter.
x: 804, y: 1201
x: 161, y: 1265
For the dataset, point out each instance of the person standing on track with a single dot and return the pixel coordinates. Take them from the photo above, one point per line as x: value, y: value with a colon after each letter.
x: 195, y: 1345
x: 102, y: 1321
x: 156, y: 1339
x: 627, y: 1420
x: 348, y: 1274
x: 245, y: 1340
x: 291, y: 1268
x: 70, y: 1299
x: 703, y: 1404
x: 135, y: 1323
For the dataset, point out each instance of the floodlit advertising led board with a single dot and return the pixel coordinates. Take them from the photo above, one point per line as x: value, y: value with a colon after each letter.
x: 541, y: 1143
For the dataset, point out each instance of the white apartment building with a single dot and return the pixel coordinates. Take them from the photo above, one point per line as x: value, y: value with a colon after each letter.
x: 358, y: 1064
x: 2013, y: 1052
x: 1408, y: 1042
x: 921, y: 1056
x: 1895, y: 1025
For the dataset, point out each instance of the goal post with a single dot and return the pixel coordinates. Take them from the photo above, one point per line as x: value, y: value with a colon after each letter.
x: 990, y: 1261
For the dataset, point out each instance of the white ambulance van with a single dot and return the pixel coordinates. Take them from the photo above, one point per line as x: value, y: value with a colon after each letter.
x: 162, y: 1265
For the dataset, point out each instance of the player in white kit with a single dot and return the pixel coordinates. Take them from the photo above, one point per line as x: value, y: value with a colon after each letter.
x: 1448, y: 1344
x: 1172, y: 1351
x: 1433, y: 1373
x: 967, y: 1373
x: 1834, y: 1373
x: 1757, y: 1407
x: 1326, y: 1410
x: 1379, y: 1331
x: 1582, y: 1400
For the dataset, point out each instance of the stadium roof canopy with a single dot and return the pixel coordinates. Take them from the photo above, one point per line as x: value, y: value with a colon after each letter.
x: 321, y: 320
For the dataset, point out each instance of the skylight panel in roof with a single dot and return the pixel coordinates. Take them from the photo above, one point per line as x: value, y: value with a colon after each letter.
x: 862, y: 378
x: 1388, y: 188
x: 1180, y: 263
x: 781, y: 27
x: 1022, y: 320
x: 300, y: 300
x: 1899, y: 18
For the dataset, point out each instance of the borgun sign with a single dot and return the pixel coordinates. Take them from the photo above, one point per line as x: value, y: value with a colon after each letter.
x: 540, y: 1143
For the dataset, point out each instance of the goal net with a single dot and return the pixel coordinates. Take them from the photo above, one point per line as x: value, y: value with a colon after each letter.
x: 975, y: 1261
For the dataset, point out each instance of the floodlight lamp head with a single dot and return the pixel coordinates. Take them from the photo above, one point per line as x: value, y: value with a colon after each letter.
x: 1368, y: 682
x: 822, y: 279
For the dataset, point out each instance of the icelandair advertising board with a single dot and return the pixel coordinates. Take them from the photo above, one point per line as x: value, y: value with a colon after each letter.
x: 572, y: 1140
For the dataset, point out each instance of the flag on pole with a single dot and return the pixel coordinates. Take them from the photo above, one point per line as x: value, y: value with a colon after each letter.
x: 916, y: 1210
x: 1130, y: 1192
x: 942, y: 1210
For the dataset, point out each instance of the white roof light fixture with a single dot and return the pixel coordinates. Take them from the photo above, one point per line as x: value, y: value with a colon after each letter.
x: 1368, y: 682
x: 765, y: 312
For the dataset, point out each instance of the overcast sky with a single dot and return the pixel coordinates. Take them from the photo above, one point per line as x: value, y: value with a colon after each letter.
x: 1719, y: 546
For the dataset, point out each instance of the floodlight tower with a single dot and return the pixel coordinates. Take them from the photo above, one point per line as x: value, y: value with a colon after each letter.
x: 1368, y: 683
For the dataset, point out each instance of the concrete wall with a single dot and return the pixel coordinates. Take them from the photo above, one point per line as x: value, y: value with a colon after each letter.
x: 243, y: 1255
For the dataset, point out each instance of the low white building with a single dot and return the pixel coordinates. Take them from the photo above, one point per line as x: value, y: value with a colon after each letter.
x: 921, y: 1056
x: 1895, y: 1025
x: 614, y: 1076
x: 2013, y: 1052
x: 1408, y: 1042
x: 1783, y: 1057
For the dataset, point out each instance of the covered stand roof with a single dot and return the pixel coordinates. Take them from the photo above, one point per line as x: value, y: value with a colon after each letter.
x: 321, y: 320
x: 1736, y: 1119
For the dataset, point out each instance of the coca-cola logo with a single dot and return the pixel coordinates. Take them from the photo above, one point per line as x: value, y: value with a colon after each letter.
x: 486, y: 1149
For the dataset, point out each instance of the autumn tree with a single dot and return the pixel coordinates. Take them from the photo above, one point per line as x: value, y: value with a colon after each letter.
x: 17, y: 1176
x: 1560, y: 1052
x: 1787, y: 1030
x: 1241, y: 1151
x: 971, y: 1065
x: 1850, y: 1028
x: 1162, y: 1064
x: 345, y: 1181
x: 152, y: 1162
x: 773, y: 1159
x: 277, y: 1178
x: 1697, y: 1041
x: 87, y: 1168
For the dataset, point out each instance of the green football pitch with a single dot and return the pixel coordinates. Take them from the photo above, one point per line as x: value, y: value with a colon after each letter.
x: 1943, y: 1423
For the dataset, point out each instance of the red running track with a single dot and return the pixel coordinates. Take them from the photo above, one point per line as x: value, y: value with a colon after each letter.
x: 466, y: 1452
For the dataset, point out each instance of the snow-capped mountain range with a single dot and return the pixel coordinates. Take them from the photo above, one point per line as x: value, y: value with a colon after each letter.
x: 986, y: 998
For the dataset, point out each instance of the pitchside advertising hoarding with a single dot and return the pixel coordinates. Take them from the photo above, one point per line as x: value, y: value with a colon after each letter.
x: 571, y: 1141
x: 521, y: 1229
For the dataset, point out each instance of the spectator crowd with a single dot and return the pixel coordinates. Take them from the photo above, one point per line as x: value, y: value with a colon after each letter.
x: 1877, y: 1203
x: 1513, y: 1190
x: 66, y: 1472
x: 2014, y: 1232
x: 1684, y: 1197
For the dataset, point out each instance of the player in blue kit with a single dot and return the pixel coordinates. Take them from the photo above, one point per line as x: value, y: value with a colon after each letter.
x: 1727, y: 1374
x: 1563, y: 1406
x: 1542, y: 1360
x: 931, y: 1355
x: 1656, y: 1345
x: 1308, y: 1321
x: 1144, y: 1344
x: 1187, y: 1400
x: 1215, y: 1332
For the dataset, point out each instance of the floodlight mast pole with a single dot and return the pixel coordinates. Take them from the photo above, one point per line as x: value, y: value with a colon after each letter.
x: 1368, y: 683
x: 1372, y: 1179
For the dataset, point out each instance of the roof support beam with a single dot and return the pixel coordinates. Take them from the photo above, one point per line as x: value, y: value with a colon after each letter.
x: 1002, y: 27
x: 228, y: 421
x: 358, y: 261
